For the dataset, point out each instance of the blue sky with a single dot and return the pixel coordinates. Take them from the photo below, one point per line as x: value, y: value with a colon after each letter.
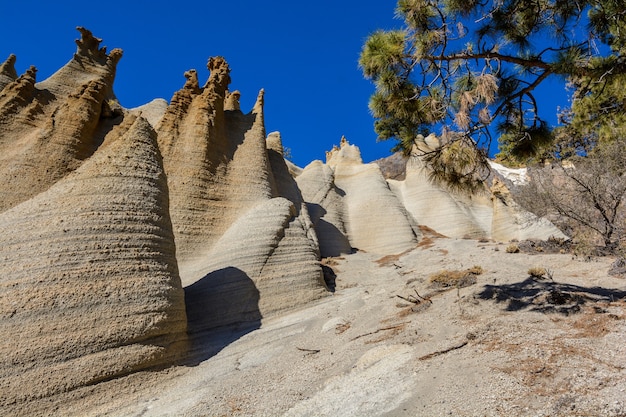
x: 304, y: 54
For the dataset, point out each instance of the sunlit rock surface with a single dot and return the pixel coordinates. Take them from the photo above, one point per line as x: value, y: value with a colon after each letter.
x: 129, y: 237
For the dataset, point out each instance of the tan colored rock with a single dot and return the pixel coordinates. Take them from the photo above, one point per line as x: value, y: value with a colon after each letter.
x: 48, y: 129
x: 257, y: 267
x: 216, y: 161
x: 89, y: 282
x: 90, y: 62
x: 232, y: 100
x: 7, y: 71
x: 242, y: 229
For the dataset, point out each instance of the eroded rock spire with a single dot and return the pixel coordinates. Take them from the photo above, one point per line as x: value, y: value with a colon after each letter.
x: 7, y: 71
x: 89, y: 47
x: 61, y: 120
x: 219, y: 78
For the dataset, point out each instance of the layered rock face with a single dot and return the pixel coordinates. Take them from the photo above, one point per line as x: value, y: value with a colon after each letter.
x: 352, y: 205
x: 490, y: 213
x: 89, y: 282
x: 88, y: 276
x: 106, y: 215
x: 129, y: 235
x: 237, y: 215
x: 48, y: 129
x: 375, y: 219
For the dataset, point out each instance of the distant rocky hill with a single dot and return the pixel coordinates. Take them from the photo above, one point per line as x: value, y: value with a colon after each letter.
x: 128, y: 233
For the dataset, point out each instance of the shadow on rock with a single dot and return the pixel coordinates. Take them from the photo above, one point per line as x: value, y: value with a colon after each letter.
x: 547, y: 296
x: 221, y: 307
x: 332, y: 241
x: 330, y: 278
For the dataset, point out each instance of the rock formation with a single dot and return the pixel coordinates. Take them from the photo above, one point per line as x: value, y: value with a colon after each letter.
x: 88, y: 274
x: 353, y: 206
x: 232, y: 219
x: 376, y: 221
x: 129, y: 236
x: 489, y: 213
x: 48, y: 129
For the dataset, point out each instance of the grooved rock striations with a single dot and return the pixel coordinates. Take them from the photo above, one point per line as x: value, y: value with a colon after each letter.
x: 325, y: 204
x: 7, y: 71
x: 130, y: 236
x: 352, y: 205
x: 490, y: 213
x: 88, y: 276
x: 376, y: 221
x: 48, y: 129
x: 239, y: 234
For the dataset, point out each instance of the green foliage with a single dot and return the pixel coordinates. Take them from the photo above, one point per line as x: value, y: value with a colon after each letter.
x: 597, y: 115
x: 470, y: 64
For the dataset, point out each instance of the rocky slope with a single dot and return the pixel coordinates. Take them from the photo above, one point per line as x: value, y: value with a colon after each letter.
x: 131, y: 236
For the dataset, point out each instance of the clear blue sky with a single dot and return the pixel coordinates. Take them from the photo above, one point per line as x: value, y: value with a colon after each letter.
x: 304, y: 54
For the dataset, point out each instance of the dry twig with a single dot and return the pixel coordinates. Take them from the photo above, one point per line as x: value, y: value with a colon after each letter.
x: 395, y: 327
x: 441, y: 352
x: 309, y: 351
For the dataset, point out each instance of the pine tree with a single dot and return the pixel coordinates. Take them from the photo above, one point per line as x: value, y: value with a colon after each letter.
x: 468, y: 68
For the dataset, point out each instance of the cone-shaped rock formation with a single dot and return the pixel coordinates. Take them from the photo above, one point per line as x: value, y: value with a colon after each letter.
x: 128, y: 236
x: 355, y: 199
x: 230, y: 219
x: 88, y: 277
x: 48, y: 129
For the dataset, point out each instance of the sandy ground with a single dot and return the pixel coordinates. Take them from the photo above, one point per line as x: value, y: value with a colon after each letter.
x: 507, y: 345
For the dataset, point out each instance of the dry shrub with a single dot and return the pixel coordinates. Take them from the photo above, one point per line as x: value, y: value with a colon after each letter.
x: 537, y: 272
x: 476, y: 270
x: 512, y: 248
x: 583, y: 196
x: 455, y: 279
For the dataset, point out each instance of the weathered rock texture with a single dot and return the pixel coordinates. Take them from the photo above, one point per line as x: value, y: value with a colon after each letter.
x: 490, y: 213
x: 48, y: 129
x: 237, y: 214
x: 376, y: 221
x: 93, y: 199
x: 127, y: 234
x: 89, y: 285
x: 353, y: 206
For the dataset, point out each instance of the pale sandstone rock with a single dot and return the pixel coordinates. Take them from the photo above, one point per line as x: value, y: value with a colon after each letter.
x: 453, y: 215
x: 488, y: 213
x: 510, y: 221
x: 88, y: 277
x: 376, y: 221
x: 326, y: 207
x: 153, y: 111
